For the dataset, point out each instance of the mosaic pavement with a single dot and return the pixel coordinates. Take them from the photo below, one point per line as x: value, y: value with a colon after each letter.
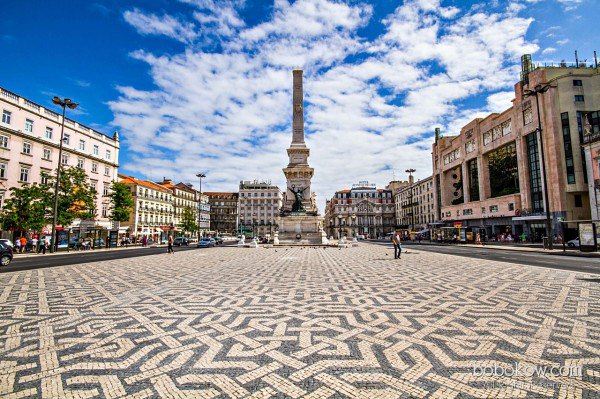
x: 297, y: 323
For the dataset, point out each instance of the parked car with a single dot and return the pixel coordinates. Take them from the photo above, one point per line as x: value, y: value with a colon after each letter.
x: 7, y: 242
x: 6, y: 254
x: 181, y: 241
x: 206, y: 243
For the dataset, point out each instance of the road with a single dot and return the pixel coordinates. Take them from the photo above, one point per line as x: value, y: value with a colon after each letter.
x: 563, y: 262
x: 36, y: 262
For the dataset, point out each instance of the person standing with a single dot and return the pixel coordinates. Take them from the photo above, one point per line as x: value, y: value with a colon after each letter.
x: 44, y: 245
x: 170, y: 245
x: 23, y: 243
x: 34, y: 244
x: 18, y: 245
x: 396, y: 239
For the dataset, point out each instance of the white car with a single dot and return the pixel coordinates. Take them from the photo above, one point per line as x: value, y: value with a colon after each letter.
x: 8, y: 242
x: 574, y: 243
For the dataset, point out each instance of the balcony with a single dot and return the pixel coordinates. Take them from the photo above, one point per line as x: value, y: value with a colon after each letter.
x: 489, y: 208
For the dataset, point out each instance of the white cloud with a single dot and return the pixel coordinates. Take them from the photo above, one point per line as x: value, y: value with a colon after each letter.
x: 371, y: 104
x: 548, y: 50
x: 167, y: 25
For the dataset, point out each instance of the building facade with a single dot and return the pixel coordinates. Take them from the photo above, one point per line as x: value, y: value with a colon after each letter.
x: 204, y: 208
x: 260, y: 203
x: 29, y: 145
x: 223, y: 212
x: 153, y: 214
x: 591, y: 146
x: 491, y: 176
x: 184, y: 196
x: 414, y: 204
x: 362, y: 210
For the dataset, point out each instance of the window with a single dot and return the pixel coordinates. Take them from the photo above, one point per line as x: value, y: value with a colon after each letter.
x: 104, y: 210
x: 566, y: 132
x: 24, y: 176
x: 473, y: 179
x: 579, y: 98
x: 535, y: 179
x: 107, y: 173
x: 44, y: 176
x: 6, y: 115
x: 96, y: 149
x: 105, y: 189
x: 94, y: 167
x: 503, y: 171
x: 48, y: 133
x: 578, y: 201
x: 67, y: 138
x: 2, y: 170
x: 107, y: 154
x: 47, y: 154
x: 82, y: 145
x: 28, y: 125
x: 493, y: 208
x: 470, y: 146
x: 3, y: 141
x: 80, y: 163
x: 577, y: 82
x: 26, y: 148
x: 65, y: 159
x: 511, y: 206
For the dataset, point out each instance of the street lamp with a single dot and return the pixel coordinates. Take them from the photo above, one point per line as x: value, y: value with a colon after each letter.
x: 541, y: 89
x: 340, y: 227
x: 353, y: 217
x: 411, y: 184
x: 200, y: 176
x: 64, y: 103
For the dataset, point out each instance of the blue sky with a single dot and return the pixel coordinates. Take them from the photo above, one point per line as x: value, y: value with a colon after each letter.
x: 205, y: 84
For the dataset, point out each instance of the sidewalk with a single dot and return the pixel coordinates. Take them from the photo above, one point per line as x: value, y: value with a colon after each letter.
x: 75, y: 251
x: 558, y: 249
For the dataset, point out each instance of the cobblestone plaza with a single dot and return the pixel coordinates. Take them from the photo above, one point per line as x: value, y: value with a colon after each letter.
x: 297, y: 322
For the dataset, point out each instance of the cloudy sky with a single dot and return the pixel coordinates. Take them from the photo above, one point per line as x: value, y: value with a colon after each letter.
x: 205, y: 85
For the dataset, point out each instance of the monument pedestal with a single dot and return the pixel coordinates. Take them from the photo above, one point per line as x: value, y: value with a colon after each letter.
x: 300, y: 229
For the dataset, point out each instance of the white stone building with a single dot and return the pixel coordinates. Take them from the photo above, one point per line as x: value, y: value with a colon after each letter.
x: 260, y: 203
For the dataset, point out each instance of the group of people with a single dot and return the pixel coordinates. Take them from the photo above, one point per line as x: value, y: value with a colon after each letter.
x: 36, y: 245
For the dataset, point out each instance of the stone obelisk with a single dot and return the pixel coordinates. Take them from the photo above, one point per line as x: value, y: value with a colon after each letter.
x: 298, y: 174
x: 299, y: 222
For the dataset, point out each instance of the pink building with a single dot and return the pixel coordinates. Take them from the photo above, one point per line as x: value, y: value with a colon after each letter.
x: 490, y: 176
x: 29, y: 142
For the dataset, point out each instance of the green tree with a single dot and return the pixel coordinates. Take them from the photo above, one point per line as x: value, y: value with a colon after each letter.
x: 121, y: 202
x: 188, y: 220
x: 26, y: 209
x: 76, y: 198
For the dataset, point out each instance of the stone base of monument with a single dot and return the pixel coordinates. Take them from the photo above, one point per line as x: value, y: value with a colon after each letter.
x: 300, y: 229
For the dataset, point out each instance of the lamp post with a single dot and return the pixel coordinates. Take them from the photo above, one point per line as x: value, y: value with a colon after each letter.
x: 411, y: 184
x: 200, y: 176
x: 64, y: 103
x: 340, y: 227
x: 353, y: 217
x: 538, y: 90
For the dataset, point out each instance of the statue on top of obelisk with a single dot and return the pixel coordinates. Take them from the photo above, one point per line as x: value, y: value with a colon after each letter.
x: 298, y: 196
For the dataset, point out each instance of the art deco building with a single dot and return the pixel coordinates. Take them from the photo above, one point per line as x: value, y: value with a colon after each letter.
x: 260, y: 203
x: 415, y: 204
x: 223, y: 212
x: 152, y: 215
x: 29, y: 142
x: 491, y: 176
x: 362, y: 210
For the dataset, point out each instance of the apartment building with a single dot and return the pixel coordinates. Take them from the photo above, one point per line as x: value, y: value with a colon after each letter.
x: 362, y: 210
x: 29, y: 145
x: 153, y: 214
x: 414, y: 204
x: 491, y: 175
x: 260, y: 203
x: 223, y: 212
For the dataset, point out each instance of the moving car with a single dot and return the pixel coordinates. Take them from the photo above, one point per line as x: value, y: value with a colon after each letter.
x: 6, y: 254
x: 181, y: 241
x: 206, y: 243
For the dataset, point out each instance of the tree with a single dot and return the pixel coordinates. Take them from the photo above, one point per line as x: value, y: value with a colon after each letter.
x: 26, y: 209
x: 121, y: 202
x: 188, y: 220
x: 76, y: 198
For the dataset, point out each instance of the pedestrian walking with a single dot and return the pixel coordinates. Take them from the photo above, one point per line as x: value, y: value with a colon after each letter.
x: 170, y: 245
x: 18, y: 245
x: 34, y: 244
x: 396, y: 241
x: 23, y: 243
x: 45, y: 245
